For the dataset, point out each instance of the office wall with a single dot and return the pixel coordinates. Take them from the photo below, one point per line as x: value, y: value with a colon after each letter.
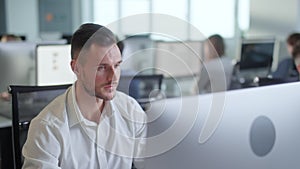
x: 273, y: 17
x: 55, y: 16
x: 267, y: 17
x: 22, y: 17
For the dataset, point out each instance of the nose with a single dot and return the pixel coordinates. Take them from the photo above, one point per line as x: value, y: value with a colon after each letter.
x: 112, y: 74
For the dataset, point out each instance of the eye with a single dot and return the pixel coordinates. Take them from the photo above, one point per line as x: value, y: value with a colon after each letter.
x: 117, y: 65
x: 101, y: 68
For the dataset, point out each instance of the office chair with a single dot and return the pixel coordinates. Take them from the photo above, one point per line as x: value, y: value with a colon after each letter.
x: 144, y: 88
x: 141, y: 87
x: 27, y: 102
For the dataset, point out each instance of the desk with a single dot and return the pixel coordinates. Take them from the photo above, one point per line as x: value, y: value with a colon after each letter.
x: 6, y: 143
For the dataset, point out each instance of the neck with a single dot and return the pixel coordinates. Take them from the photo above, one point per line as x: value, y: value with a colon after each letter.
x: 91, y: 107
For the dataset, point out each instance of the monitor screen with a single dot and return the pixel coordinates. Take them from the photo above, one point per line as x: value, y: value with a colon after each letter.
x: 16, y: 64
x: 53, y: 65
x: 257, y: 54
x: 177, y: 59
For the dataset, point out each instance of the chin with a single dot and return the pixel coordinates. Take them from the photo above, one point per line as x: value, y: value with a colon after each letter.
x: 109, y: 98
x: 106, y: 97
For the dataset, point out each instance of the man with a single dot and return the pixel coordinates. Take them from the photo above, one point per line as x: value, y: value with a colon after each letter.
x: 92, y: 125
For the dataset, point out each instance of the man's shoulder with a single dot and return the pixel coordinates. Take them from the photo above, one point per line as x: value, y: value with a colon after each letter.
x: 126, y: 103
x: 54, y: 113
x: 286, y: 63
x: 123, y: 97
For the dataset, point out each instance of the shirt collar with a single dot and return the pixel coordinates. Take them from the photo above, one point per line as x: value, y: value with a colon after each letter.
x: 75, y: 116
x: 71, y: 107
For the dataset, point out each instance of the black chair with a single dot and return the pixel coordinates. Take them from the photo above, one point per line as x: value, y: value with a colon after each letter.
x: 27, y: 102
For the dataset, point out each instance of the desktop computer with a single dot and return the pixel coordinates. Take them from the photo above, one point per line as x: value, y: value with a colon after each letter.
x: 249, y: 128
x: 257, y: 58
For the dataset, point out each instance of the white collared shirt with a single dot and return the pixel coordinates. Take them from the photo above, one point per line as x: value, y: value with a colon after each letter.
x: 60, y: 137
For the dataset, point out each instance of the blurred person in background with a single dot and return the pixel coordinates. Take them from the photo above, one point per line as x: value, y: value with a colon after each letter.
x: 296, y: 56
x: 286, y: 69
x: 212, y: 73
x: 10, y: 38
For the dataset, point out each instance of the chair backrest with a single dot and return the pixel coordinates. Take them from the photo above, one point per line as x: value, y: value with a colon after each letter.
x: 140, y: 86
x: 27, y: 102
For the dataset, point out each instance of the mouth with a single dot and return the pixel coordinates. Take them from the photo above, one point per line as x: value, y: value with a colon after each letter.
x: 110, y: 85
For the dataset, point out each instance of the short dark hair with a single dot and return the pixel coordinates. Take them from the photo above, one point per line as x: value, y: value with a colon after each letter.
x: 88, y: 34
x: 218, y: 43
x: 293, y: 38
x: 296, y: 50
x: 120, y: 45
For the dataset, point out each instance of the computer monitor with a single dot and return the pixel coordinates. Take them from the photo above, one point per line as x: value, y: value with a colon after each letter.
x: 137, y: 53
x: 53, y: 65
x: 67, y: 37
x: 17, y: 61
x: 143, y: 88
x: 255, y: 130
x: 257, y: 54
x: 177, y: 59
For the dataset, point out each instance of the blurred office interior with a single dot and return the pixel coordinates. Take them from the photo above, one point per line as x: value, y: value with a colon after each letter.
x: 46, y: 27
x: 48, y: 21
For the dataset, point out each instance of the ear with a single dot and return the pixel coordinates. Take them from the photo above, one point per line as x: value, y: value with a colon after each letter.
x: 74, y: 66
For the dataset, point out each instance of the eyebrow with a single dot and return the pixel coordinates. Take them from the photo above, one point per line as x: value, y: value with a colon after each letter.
x: 119, y: 62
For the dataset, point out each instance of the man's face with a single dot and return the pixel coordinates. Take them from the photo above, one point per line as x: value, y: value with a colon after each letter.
x: 100, y: 73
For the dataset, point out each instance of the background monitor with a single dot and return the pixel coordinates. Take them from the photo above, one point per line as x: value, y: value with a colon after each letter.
x: 17, y: 64
x: 137, y: 53
x: 177, y: 59
x: 141, y: 87
x: 257, y: 54
x: 53, y: 65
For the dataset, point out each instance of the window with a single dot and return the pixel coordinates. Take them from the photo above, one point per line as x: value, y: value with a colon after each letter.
x: 244, y: 14
x: 175, y: 27
x: 135, y: 24
x: 204, y: 15
x: 213, y: 16
x: 176, y: 8
x: 105, y: 11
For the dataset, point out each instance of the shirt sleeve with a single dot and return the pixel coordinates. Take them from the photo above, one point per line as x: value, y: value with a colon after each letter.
x: 42, y: 148
x: 140, y: 151
x: 140, y: 144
